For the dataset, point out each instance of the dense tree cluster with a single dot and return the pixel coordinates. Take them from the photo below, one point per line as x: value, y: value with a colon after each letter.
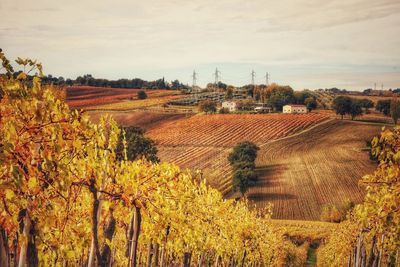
x: 344, y: 105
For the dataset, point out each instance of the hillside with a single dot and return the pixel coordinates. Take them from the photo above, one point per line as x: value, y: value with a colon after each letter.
x: 204, y: 141
x: 298, y: 171
x: 143, y: 119
x: 321, y: 166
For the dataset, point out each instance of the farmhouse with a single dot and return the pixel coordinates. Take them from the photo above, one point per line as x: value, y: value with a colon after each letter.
x: 230, y: 105
x: 294, y: 109
x: 262, y: 108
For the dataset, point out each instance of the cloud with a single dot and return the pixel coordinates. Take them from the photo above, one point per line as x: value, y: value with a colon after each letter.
x: 137, y: 38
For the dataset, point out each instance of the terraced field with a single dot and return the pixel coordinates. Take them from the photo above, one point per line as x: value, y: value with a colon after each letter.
x: 299, y: 174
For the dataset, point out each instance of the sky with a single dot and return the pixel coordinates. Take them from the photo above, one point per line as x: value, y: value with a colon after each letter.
x: 312, y: 44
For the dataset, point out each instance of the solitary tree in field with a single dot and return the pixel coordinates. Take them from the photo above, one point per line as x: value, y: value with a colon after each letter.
x: 242, y: 160
x: 142, y: 95
x: 342, y: 105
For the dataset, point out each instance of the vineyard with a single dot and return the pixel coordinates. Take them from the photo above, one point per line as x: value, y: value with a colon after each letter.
x: 321, y: 166
x: 66, y: 199
x: 289, y: 167
x: 114, y: 98
x: 203, y: 142
x: 229, y: 129
x: 143, y: 119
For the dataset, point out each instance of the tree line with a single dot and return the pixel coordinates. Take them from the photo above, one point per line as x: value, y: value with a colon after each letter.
x: 345, y: 105
x: 89, y: 80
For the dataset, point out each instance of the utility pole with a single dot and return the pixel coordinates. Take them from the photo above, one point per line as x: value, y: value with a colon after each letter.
x: 253, y: 75
x: 216, y: 75
x: 266, y: 78
x: 194, y: 76
x: 374, y: 86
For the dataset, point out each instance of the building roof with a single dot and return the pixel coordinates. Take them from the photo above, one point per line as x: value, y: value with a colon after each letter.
x: 295, y: 105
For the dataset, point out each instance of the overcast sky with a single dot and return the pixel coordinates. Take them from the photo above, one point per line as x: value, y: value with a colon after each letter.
x: 303, y: 43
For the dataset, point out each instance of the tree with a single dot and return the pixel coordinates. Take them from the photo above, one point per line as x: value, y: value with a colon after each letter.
x: 383, y: 106
x: 229, y: 93
x: 310, y: 103
x: 221, y: 85
x: 395, y: 109
x: 302, y: 96
x: 245, y: 104
x: 355, y: 109
x: 208, y: 106
x: 243, y: 179
x: 278, y: 96
x: 242, y: 160
x: 342, y: 105
x: 141, y: 95
x: 366, y: 103
x: 176, y: 85
x: 137, y: 145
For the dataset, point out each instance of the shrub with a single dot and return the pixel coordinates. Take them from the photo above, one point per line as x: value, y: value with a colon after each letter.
x: 141, y: 95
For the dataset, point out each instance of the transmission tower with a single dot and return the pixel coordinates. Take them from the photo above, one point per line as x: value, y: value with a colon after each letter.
x: 194, y: 76
x: 266, y: 78
x: 217, y: 76
x: 253, y: 75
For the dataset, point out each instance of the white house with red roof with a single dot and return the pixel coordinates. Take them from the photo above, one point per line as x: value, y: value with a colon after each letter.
x: 294, y: 109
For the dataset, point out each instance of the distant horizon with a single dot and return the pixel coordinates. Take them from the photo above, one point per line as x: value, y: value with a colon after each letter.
x: 309, y: 44
x: 378, y: 86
